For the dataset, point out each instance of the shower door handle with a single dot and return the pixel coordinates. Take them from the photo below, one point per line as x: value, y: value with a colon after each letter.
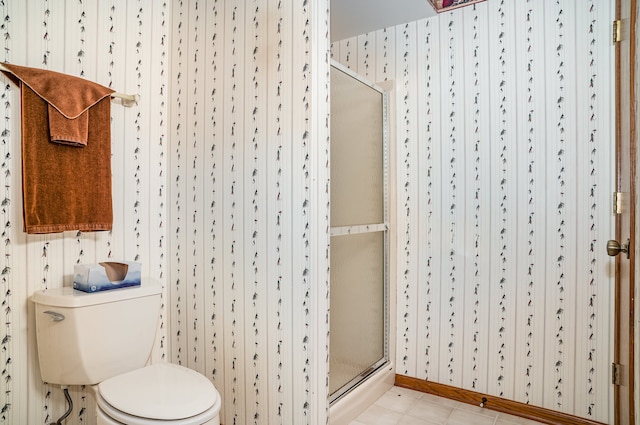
x: 614, y: 248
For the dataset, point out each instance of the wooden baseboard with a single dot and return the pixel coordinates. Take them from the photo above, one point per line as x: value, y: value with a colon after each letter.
x: 493, y: 403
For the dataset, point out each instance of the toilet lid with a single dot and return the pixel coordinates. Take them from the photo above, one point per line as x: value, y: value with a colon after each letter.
x: 162, y: 391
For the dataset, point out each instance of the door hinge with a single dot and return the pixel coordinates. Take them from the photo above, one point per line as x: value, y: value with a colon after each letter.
x: 619, y: 202
x: 616, y: 374
x: 616, y: 31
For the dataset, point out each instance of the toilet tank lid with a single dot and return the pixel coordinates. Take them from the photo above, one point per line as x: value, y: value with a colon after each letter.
x: 72, y: 298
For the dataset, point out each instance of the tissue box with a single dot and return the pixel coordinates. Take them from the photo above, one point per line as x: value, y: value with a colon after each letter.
x: 106, y: 275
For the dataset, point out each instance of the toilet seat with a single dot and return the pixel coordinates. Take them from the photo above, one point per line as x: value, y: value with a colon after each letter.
x: 166, y: 393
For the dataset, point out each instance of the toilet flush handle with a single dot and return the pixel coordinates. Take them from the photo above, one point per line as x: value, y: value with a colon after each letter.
x: 55, y: 316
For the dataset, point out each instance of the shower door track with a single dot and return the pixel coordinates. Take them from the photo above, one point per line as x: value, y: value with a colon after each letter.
x: 355, y: 382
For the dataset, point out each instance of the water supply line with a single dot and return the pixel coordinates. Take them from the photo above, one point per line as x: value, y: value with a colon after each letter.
x: 69, y: 402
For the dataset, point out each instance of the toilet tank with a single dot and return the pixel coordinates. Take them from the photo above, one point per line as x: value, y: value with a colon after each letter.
x: 85, y: 338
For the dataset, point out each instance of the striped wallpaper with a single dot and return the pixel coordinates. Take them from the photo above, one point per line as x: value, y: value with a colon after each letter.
x: 505, y: 172
x: 220, y: 190
x: 118, y: 44
x: 249, y: 205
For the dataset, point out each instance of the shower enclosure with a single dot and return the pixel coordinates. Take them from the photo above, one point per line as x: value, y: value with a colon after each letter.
x: 359, y: 338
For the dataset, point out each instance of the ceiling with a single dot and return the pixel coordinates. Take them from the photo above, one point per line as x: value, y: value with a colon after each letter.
x: 354, y: 17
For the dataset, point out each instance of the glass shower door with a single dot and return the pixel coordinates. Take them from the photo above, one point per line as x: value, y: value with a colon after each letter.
x: 359, y: 232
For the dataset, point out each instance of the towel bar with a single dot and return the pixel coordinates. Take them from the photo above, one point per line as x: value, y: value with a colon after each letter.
x: 127, y: 100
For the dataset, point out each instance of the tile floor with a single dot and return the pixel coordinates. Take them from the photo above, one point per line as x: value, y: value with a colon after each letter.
x: 400, y: 406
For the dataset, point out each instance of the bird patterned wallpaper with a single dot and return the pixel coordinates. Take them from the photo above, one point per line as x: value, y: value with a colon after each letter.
x: 504, y: 168
x: 221, y: 191
x: 504, y: 139
x: 249, y: 204
x: 123, y: 45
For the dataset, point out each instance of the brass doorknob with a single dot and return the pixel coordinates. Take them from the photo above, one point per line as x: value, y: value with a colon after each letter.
x: 614, y: 248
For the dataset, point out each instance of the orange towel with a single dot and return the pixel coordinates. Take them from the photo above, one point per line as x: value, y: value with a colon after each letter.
x: 64, y: 187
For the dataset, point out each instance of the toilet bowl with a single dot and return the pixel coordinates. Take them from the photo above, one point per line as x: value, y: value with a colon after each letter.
x: 104, y: 340
x: 161, y: 393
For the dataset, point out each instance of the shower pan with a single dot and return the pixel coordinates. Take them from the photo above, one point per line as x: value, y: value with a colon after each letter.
x: 360, y: 242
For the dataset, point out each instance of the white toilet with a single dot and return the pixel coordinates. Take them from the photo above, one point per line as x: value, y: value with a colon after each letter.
x: 105, y: 339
